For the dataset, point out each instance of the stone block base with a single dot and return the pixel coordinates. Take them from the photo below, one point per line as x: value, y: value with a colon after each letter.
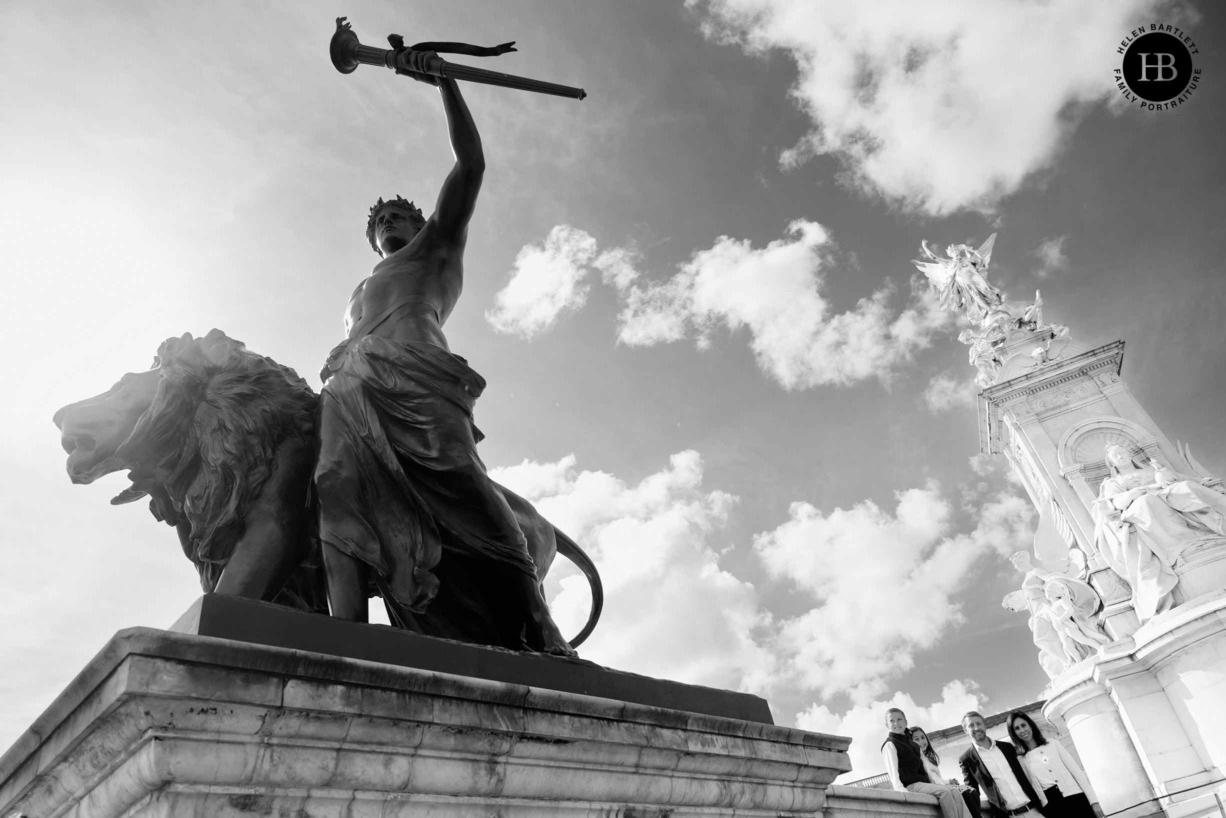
x: 1146, y: 713
x: 869, y: 802
x: 1201, y: 569
x: 179, y: 724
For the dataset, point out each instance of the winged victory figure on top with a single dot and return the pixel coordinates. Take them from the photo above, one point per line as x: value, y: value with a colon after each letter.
x: 959, y: 278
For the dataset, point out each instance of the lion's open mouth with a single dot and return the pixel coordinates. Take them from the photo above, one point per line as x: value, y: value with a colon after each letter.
x: 87, y: 464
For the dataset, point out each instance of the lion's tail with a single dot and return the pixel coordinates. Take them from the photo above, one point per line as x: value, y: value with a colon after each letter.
x: 571, y: 550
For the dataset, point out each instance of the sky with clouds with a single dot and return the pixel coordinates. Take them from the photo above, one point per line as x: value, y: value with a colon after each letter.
x: 691, y: 295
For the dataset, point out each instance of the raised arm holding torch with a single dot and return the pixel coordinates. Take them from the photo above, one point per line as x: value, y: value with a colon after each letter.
x: 347, y: 54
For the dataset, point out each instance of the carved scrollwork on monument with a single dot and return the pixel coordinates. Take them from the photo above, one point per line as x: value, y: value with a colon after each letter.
x: 1021, y: 408
x: 1089, y: 447
x: 1058, y: 399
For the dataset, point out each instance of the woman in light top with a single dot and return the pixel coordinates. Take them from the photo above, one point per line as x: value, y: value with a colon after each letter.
x: 932, y: 766
x: 1068, y: 790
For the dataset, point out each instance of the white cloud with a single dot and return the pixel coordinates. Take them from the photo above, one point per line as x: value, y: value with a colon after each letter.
x: 865, y: 723
x: 944, y: 392
x: 547, y: 280
x: 895, y: 575
x: 776, y: 294
x: 670, y: 610
x: 552, y: 278
x: 618, y: 267
x: 655, y: 314
x: 1006, y: 523
x: 992, y: 469
x: 1051, y: 256
x: 987, y: 465
x: 937, y: 106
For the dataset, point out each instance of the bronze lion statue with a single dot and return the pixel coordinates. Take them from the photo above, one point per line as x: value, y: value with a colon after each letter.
x: 222, y: 441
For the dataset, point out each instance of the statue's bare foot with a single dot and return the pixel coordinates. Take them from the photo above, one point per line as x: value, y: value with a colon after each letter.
x: 554, y: 643
x: 543, y: 634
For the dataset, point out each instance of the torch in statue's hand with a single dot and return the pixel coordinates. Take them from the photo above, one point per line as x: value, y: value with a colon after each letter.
x: 422, y: 62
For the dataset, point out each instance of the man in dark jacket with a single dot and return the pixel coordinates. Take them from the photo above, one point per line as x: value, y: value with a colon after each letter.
x: 992, y: 769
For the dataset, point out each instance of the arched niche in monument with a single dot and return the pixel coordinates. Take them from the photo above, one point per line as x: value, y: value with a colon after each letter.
x: 1082, y: 449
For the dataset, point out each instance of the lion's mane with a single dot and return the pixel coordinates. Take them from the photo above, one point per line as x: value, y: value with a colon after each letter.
x: 205, y: 447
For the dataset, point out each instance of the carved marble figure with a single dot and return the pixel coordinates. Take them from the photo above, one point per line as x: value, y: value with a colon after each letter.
x: 1061, y: 614
x: 222, y: 441
x: 1145, y: 517
x: 981, y: 352
x: 1052, y: 657
x: 1031, y: 317
x: 1032, y: 575
x: 962, y: 286
x: 959, y: 278
x: 1072, y: 605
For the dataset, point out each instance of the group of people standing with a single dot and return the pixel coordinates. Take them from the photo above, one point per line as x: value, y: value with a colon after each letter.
x: 1030, y: 777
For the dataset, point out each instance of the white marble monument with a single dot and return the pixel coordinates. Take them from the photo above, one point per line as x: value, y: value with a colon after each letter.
x: 1126, y: 592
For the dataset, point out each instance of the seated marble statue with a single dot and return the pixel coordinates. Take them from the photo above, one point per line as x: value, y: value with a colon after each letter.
x: 1145, y: 517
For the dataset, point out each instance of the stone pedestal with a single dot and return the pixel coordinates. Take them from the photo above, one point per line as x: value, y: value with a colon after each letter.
x: 1148, y: 714
x: 184, y: 724
x: 1086, y: 709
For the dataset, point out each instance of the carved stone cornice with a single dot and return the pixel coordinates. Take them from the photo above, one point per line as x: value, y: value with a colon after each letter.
x: 1015, y: 394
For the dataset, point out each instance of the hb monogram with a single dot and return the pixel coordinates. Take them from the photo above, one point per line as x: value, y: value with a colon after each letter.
x: 1162, y: 64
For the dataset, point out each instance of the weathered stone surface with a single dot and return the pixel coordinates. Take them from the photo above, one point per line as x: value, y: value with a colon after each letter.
x: 854, y: 802
x: 535, y: 677
x: 163, y: 723
x: 1147, y: 716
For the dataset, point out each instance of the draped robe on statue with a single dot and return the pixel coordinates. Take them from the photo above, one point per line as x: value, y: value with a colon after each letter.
x: 1142, y: 541
x: 398, y: 475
